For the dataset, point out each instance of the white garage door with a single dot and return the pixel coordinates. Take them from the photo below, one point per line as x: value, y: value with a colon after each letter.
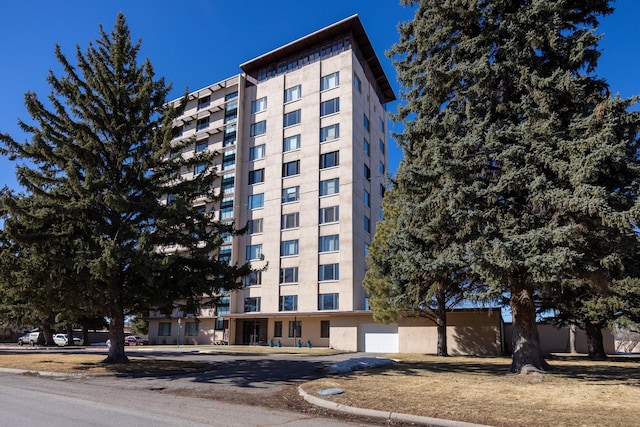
x: 379, y: 338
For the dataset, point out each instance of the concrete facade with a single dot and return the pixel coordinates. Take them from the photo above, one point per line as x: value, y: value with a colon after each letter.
x: 303, y: 142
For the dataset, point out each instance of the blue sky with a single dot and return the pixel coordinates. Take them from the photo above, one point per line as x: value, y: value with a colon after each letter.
x: 194, y: 43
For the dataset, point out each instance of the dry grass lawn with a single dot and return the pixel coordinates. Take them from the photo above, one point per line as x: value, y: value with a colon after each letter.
x: 90, y: 364
x: 577, y: 392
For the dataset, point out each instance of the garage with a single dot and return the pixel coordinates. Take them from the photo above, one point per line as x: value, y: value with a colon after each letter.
x: 375, y: 338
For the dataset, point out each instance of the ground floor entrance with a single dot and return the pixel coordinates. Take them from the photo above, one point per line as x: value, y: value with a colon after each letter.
x: 251, y: 331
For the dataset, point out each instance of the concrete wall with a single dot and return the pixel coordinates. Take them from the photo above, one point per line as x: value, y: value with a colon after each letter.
x: 556, y: 340
x: 468, y: 333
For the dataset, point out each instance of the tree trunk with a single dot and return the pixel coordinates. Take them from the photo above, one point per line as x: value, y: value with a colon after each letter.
x: 70, y: 334
x: 595, y: 343
x: 441, y: 323
x: 116, y: 337
x: 526, y: 341
x: 48, y: 334
x: 572, y: 338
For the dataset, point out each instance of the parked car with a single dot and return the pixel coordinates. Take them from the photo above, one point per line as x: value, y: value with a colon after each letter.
x: 133, y: 340
x: 62, y: 340
x: 32, y: 338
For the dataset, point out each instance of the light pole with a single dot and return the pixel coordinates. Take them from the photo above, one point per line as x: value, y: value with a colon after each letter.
x: 179, y: 330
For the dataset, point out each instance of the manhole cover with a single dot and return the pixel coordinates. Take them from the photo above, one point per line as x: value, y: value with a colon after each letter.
x: 330, y: 391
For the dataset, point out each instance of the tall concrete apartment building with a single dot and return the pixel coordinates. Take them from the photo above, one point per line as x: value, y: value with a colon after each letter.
x: 303, y: 141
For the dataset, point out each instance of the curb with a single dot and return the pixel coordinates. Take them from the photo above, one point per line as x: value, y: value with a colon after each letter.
x: 391, y: 416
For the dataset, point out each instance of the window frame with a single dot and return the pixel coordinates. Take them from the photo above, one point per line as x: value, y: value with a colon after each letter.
x: 259, y: 105
x: 288, y: 303
x: 330, y: 106
x: 257, y: 152
x: 292, y: 93
x: 284, y: 220
x: 289, y: 247
x: 329, y: 243
x: 330, y: 159
x: 289, y: 272
x: 328, y: 272
x: 327, y: 184
x: 285, y: 168
x: 330, y: 133
x: 330, y: 81
x: 286, y: 141
x: 258, y: 129
x: 323, y: 214
x: 292, y: 118
x: 289, y: 196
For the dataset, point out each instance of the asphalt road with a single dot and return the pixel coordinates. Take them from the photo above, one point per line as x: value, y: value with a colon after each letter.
x: 170, y: 400
x: 39, y: 401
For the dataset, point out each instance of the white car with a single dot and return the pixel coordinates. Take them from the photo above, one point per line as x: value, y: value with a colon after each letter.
x: 62, y: 340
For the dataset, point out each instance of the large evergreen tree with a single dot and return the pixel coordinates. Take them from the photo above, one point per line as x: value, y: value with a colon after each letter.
x: 102, y: 161
x: 504, y: 116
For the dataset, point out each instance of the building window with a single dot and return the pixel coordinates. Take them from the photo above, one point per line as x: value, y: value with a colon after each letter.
x: 219, y: 325
x: 330, y: 81
x: 191, y: 329
x: 204, y: 102
x: 366, y: 250
x: 258, y: 128
x: 291, y: 220
x: 251, y: 304
x: 202, y: 145
x: 329, y: 107
x: 288, y: 303
x: 164, y: 329
x: 329, y: 186
x: 258, y: 152
x: 292, y: 118
x: 366, y: 123
x: 357, y: 82
x: 229, y: 136
x: 291, y: 143
x: 367, y: 147
x: 295, y: 328
x: 381, y: 126
x: 367, y: 224
x: 253, y: 279
x: 256, y: 176
x: 328, y: 272
x: 224, y: 254
x: 291, y: 168
x: 381, y: 144
x: 291, y: 194
x: 277, y: 329
x: 329, y: 160
x: 328, y: 301
x: 199, y: 168
x: 256, y: 201
x: 259, y: 105
x: 289, y: 275
x: 367, y: 199
x: 381, y: 168
x: 226, y: 208
x: 367, y: 173
x: 222, y: 306
x: 231, y: 109
x: 324, y: 328
x: 254, y: 252
x: 228, y: 182
x: 381, y: 214
x: 329, y: 133
x: 382, y: 190
x: 255, y: 226
x: 202, y: 123
x: 330, y: 214
x: 289, y: 247
x: 293, y: 94
x: 228, y: 160
x: 328, y: 243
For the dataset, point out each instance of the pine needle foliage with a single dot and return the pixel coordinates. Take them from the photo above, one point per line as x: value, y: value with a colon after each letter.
x: 102, y: 166
x: 510, y: 136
